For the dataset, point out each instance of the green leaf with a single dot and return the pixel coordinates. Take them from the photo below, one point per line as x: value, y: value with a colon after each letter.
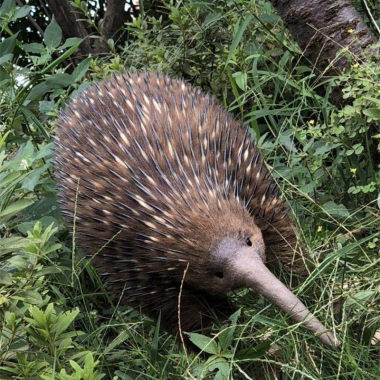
x: 63, y: 321
x: 81, y: 69
x: 50, y: 312
x: 10, y: 318
x: 239, y: 30
x: 373, y: 113
x: 47, y: 106
x: 335, y: 210
x: 65, y: 344
x: 7, y: 45
x: 21, y: 12
x: 26, y: 150
x: 5, y: 278
x: 287, y: 140
x: 30, y: 115
x: 223, y: 369
x: 33, y: 47
x: 71, y: 42
x: 4, y: 75
x: 226, y: 336
x: 253, y: 352
x: 271, y: 18
x: 360, y: 298
x: 122, y: 375
x: 258, y: 113
x: 211, y: 18
x: 89, y: 363
x: 53, y: 35
x: 60, y: 59
x: 37, y: 92
x: 324, y: 148
x: 204, y: 343
x: 60, y: 80
x: 3, y: 138
x: 52, y: 269
x: 16, y: 207
x: 7, y: 6
x: 116, y: 342
x: 11, y: 179
x: 33, y: 177
x: 14, y: 243
x: 29, y: 296
x: 41, y: 61
x: 241, y: 80
x: 269, y: 321
x: 6, y: 58
x: 78, y: 370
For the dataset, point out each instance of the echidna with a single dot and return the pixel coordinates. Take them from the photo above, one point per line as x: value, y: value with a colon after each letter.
x: 170, y: 199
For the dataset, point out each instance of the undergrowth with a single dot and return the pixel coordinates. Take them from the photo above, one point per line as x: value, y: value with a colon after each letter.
x: 57, y: 320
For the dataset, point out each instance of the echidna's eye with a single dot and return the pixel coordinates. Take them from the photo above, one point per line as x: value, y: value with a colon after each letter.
x: 248, y: 242
x: 219, y: 274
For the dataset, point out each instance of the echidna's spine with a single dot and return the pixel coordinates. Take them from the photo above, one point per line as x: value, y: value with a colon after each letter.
x: 155, y: 173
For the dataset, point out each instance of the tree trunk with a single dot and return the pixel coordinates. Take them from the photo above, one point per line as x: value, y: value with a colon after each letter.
x: 68, y: 19
x: 322, y: 28
x: 114, y: 18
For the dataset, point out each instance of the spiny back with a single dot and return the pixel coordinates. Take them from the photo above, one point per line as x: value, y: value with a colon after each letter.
x: 154, y: 172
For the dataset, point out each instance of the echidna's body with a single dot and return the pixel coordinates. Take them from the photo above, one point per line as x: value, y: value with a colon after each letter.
x: 164, y: 187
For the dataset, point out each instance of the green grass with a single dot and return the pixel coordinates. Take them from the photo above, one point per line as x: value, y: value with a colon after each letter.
x: 57, y: 320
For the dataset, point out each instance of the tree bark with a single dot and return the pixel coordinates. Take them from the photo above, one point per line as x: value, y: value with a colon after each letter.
x: 68, y: 20
x: 324, y: 27
x: 114, y: 18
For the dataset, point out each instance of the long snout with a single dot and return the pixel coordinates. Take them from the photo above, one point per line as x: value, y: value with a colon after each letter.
x: 259, y: 277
